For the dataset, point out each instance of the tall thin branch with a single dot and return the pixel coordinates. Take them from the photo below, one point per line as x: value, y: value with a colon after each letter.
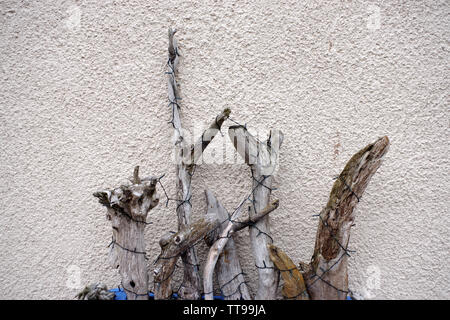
x: 191, y: 285
x: 186, y: 156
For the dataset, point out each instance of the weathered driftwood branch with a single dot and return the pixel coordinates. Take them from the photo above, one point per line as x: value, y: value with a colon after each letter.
x: 230, y: 225
x: 228, y: 268
x: 190, y: 288
x: 262, y: 157
x: 127, y: 209
x: 214, y: 252
x: 186, y: 156
x: 294, y: 285
x: 326, y: 276
x: 172, y: 246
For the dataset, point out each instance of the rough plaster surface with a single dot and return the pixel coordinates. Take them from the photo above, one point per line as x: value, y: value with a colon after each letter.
x: 83, y: 100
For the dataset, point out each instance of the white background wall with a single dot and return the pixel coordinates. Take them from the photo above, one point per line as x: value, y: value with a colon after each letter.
x: 83, y: 99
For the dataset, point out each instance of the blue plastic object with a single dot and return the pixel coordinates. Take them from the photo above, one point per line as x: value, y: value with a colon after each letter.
x: 121, y: 295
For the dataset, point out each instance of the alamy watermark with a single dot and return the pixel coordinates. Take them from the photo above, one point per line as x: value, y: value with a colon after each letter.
x: 238, y: 147
x: 73, y: 277
x: 73, y: 20
x: 374, y: 18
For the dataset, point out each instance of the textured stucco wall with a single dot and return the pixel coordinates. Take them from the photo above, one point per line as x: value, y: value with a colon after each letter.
x: 83, y: 100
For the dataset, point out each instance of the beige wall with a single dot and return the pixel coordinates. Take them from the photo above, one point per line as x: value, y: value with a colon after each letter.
x: 83, y: 100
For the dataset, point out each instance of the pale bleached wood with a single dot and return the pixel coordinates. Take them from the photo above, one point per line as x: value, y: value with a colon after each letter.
x: 262, y: 157
x: 294, y: 284
x: 191, y: 286
x: 228, y: 268
x: 186, y: 156
x: 224, y: 232
x: 127, y: 209
x: 327, y: 275
x: 172, y: 246
x: 231, y: 225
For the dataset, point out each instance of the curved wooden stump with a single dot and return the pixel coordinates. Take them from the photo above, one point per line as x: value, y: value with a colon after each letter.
x: 294, y: 284
x: 326, y: 277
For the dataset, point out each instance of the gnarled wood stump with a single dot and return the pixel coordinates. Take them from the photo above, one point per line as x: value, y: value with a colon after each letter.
x: 127, y: 209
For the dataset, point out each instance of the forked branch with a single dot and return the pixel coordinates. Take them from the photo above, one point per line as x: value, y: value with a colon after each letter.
x: 186, y: 156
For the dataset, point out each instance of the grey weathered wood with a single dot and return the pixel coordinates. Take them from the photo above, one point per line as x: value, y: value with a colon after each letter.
x: 172, y: 246
x: 230, y: 270
x: 127, y: 209
x: 186, y: 156
x: 191, y: 286
x: 262, y: 157
x: 326, y: 276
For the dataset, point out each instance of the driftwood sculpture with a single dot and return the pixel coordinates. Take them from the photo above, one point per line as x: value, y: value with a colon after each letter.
x: 325, y: 277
